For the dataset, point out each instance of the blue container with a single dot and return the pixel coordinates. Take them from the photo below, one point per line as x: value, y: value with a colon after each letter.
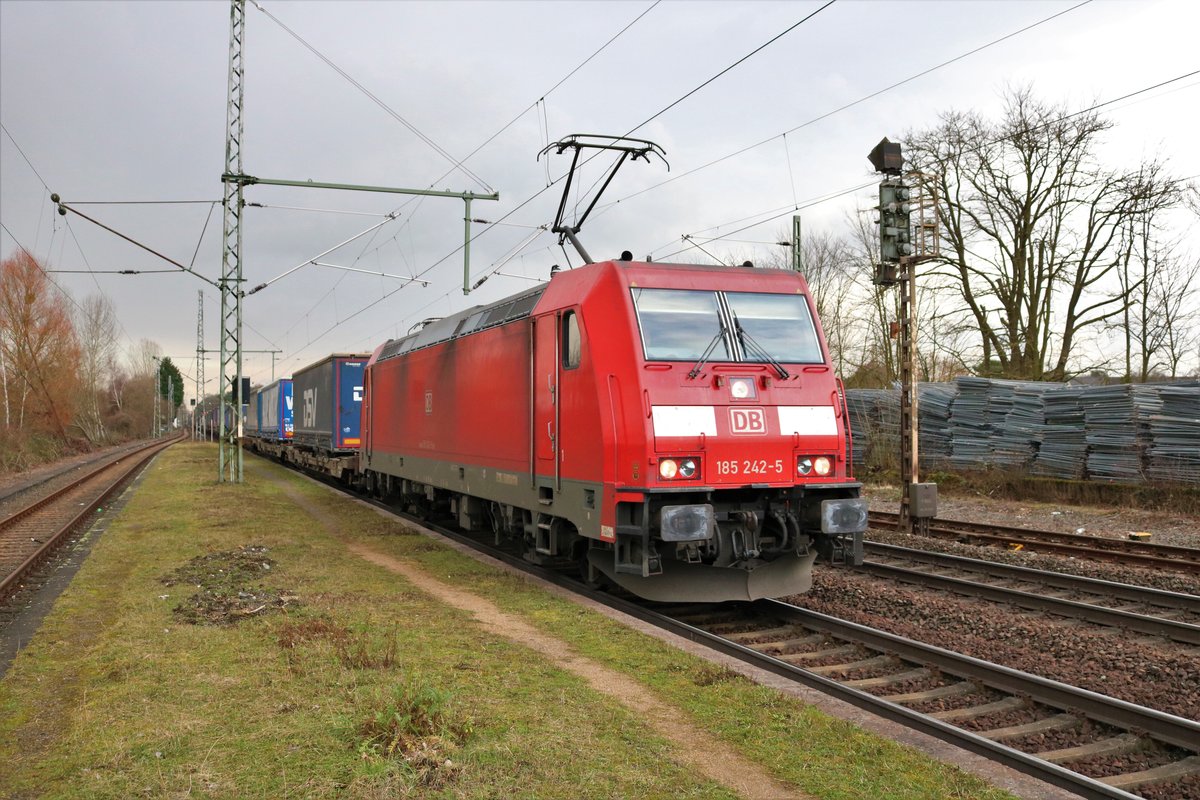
x: 329, y: 402
x: 274, y: 412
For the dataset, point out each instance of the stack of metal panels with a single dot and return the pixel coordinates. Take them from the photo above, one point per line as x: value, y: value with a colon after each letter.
x: 933, y: 421
x: 1174, y: 453
x: 1062, y: 452
x: 1004, y: 451
x: 1118, y: 430
x: 1016, y: 439
x: 969, y: 429
x: 875, y: 426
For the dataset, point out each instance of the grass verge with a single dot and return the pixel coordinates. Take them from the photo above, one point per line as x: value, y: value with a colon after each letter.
x: 349, y: 682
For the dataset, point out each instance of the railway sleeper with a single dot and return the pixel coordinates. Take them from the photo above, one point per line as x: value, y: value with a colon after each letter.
x: 1058, y: 722
x: 1113, y: 746
x: 957, y: 689
x: 744, y: 636
x: 888, y: 680
x: 850, y: 666
x: 780, y: 645
x: 975, y: 712
x: 814, y: 655
x: 1167, y: 772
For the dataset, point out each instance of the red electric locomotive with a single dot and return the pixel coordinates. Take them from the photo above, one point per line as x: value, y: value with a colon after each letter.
x: 674, y: 429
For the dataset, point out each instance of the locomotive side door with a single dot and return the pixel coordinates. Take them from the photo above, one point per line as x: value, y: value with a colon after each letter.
x: 545, y: 379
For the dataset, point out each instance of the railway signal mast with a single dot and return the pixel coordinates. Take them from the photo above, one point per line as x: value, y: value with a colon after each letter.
x: 897, y: 266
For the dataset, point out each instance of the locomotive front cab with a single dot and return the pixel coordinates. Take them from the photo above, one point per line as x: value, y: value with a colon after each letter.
x: 746, y: 480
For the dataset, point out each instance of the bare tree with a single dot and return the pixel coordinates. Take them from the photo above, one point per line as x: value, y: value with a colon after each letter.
x: 97, y: 326
x: 1031, y: 226
x: 875, y: 360
x: 828, y: 263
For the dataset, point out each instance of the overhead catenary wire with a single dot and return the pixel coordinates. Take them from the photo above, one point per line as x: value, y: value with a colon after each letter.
x: 113, y: 271
x: 680, y: 99
x: 70, y: 230
x: 979, y: 147
x: 556, y: 180
x: 7, y: 133
x: 458, y: 163
x: 847, y: 106
x: 688, y: 94
x: 144, y: 202
x: 548, y: 92
x: 406, y: 278
x: 203, y: 230
x: 737, y: 63
x: 322, y: 254
x: 133, y: 241
x: 790, y: 208
x: 491, y: 138
x: 313, y: 339
x: 34, y: 259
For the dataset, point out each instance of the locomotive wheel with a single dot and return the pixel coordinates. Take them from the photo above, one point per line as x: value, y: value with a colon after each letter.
x: 591, y: 577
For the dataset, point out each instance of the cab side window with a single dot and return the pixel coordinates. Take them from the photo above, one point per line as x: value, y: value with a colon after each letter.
x: 571, y: 346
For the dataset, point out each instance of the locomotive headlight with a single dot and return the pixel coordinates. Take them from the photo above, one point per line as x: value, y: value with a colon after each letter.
x: 742, y: 388
x: 804, y: 465
x: 822, y: 465
x: 670, y: 469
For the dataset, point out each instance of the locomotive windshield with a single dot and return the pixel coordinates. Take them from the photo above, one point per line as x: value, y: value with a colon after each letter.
x: 680, y: 325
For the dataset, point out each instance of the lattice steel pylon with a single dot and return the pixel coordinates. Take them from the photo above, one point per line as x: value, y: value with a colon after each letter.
x: 230, y: 435
x: 198, y: 409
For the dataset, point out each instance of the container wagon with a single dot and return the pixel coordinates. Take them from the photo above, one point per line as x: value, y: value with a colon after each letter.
x: 328, y: 411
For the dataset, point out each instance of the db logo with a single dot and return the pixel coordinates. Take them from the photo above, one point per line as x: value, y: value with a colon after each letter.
x: 747, y: 420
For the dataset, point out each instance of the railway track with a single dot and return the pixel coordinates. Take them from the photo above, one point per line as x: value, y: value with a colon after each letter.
x: 1146, y: 554
x: 31, y: 534
x: 989, y: 709
x: 766, y: 632
x: 1142, y: 610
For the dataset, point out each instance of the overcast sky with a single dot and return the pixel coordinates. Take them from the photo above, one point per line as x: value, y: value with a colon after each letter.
x: 114, y: 101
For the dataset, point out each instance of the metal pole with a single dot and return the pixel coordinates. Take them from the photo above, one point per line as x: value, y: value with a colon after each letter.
x: 797, y: 254
x: 157, y: 385
x: 909, y: 455
x: 198, y: 410
x: 467, y: 246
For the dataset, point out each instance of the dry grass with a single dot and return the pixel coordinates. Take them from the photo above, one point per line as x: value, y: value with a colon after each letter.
x: 365, y: 687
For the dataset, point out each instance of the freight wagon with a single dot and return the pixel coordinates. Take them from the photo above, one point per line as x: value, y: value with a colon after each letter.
x: 328, y: 412
x: 272, y: 418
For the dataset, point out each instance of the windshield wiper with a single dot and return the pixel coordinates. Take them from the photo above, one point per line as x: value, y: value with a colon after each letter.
x: 708, y: 350
x: 757, y: 349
